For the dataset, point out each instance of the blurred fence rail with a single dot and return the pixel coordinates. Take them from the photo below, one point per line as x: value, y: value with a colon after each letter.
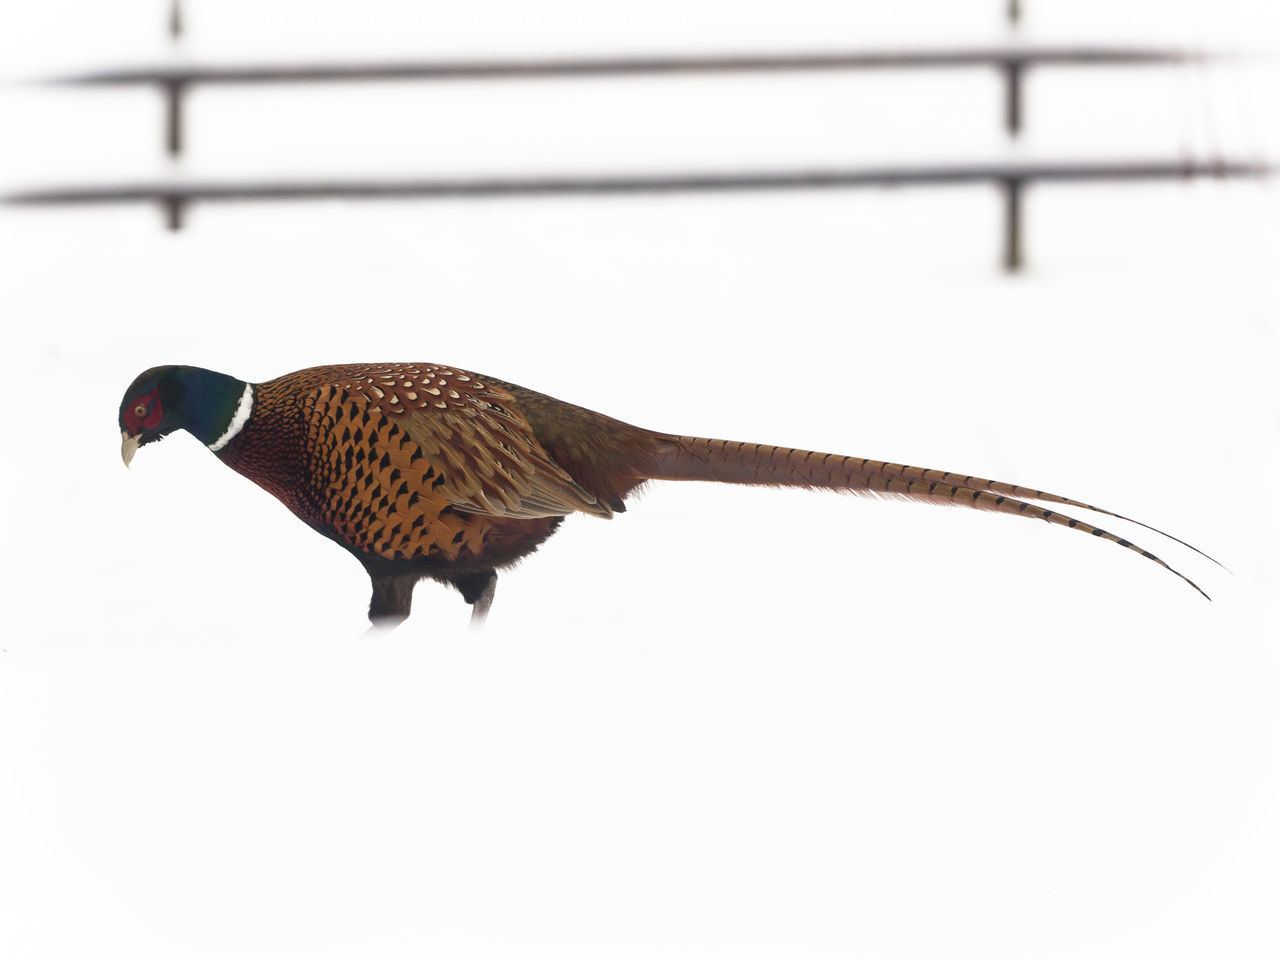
x: 1011, y: 61
x: 1011, y: 178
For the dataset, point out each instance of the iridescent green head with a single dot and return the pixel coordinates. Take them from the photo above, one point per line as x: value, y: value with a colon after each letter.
x: 211, y: 406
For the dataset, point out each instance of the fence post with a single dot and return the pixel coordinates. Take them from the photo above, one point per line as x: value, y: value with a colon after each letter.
x: 176, y: 24
x: 1013, y: 74
x: 174, y: 210
x: 1012, y: 188
x: 172, y: 90
x: 174, y: 93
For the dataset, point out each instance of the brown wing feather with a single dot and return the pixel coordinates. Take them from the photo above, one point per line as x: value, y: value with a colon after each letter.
x: 487, y: 454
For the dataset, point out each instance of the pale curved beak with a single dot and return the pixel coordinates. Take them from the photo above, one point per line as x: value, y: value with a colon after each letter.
x: 128, y: 446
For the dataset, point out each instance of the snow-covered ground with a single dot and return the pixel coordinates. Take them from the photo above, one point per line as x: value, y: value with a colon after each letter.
x: 738, y: 723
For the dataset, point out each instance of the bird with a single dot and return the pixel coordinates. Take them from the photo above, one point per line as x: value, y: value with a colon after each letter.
x: 424, y: 471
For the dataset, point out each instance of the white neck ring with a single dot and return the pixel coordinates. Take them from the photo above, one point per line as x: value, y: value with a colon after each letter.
x: 243, y: 409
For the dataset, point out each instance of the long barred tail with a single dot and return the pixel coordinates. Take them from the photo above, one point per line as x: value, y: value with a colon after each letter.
x: 727, y: 461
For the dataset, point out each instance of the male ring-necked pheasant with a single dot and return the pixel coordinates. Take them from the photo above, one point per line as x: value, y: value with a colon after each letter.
x: 425, y: 471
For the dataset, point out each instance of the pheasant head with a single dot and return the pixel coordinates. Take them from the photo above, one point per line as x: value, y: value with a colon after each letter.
x: 210, y: 406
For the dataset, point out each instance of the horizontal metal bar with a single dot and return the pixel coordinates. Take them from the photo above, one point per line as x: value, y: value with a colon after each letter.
x: 633, y: 65
x: 443, y: 187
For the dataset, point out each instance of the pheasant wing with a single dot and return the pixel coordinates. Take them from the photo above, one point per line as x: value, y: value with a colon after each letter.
x: 485, y: 453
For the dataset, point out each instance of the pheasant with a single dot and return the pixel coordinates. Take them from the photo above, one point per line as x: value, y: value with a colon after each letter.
x: 426, y: 471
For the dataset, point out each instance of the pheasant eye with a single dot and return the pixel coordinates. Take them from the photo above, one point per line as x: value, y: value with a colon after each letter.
x: 140, y: 410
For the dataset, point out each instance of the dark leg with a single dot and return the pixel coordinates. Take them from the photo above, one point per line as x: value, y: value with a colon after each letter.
x: 477, y: 589
x: 392, y: 598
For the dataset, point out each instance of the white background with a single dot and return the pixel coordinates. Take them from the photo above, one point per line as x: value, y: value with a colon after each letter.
x: 730, y: 723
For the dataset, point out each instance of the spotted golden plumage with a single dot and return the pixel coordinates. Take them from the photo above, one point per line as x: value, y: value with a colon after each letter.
x: 422, y: 470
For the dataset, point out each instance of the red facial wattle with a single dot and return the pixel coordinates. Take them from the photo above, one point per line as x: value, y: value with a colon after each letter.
x: 144, y: 413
